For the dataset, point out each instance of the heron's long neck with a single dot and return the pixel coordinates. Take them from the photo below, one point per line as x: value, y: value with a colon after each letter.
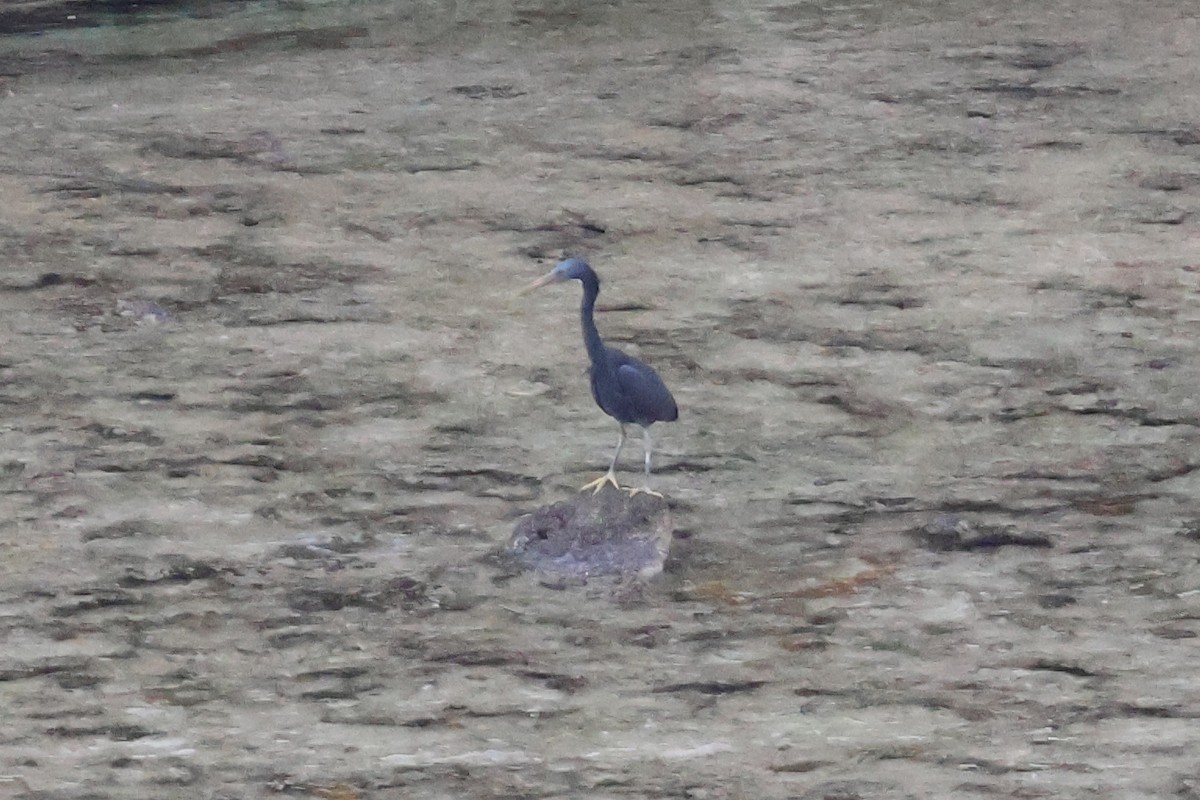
x: 591, y: 336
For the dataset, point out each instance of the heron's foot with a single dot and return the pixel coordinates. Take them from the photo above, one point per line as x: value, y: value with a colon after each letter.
x: 599, y: 483
x: 644, y: 490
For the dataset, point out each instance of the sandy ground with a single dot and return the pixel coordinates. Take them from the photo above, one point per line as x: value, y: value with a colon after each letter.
x: 923, y: 277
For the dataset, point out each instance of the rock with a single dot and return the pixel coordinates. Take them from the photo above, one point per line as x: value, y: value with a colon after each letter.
x: 607, y: 533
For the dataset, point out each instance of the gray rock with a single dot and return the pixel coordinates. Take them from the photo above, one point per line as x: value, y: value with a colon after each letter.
x: 607, y: 533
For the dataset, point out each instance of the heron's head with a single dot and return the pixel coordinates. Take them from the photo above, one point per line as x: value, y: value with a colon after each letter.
x: 573, y: 269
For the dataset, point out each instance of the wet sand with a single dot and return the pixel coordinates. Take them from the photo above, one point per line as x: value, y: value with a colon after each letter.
x: 922, y: 276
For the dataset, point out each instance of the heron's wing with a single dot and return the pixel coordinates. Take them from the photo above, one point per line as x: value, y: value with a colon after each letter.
x: 646, y: 392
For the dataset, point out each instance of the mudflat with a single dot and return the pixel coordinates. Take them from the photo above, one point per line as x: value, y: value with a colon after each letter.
x: 922, y: 277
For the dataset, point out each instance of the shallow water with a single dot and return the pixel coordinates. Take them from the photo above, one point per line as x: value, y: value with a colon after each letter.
x: 920, y: 275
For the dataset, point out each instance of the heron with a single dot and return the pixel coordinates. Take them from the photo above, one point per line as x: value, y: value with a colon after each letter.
x: 625, y: 388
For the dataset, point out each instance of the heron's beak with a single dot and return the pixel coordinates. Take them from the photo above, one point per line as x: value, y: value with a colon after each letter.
x: 545, y: 280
